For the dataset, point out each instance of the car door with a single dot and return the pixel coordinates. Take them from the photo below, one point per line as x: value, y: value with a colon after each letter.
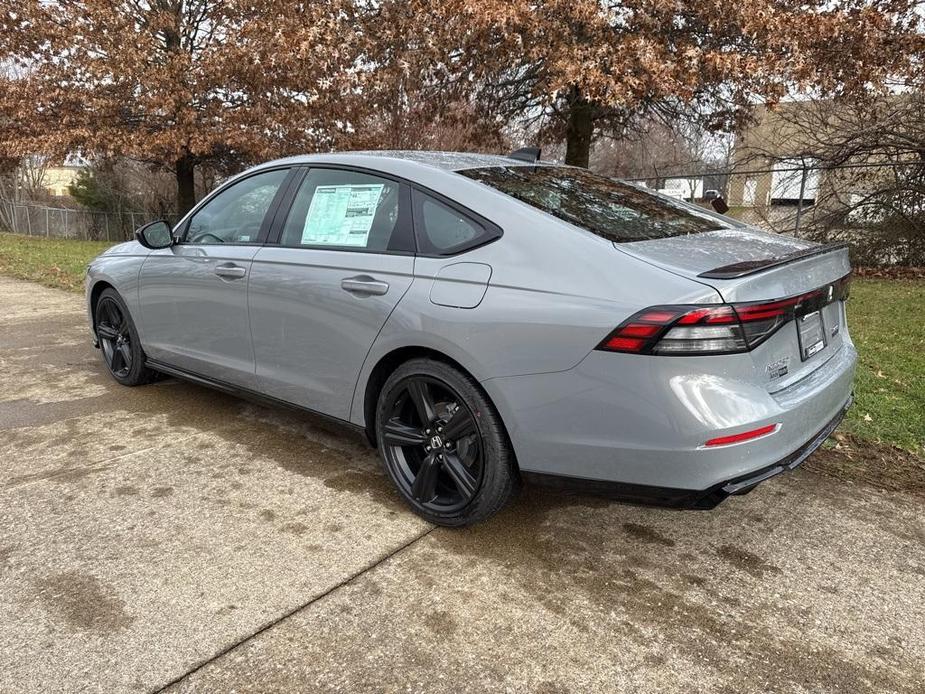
x: 319, y: 296
x: 193, y: 295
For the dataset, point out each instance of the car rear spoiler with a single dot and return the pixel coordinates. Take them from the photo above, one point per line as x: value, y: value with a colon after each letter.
x: 751, y: 267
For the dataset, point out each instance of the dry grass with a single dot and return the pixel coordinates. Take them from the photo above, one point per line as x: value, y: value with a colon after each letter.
x: 59, y: 263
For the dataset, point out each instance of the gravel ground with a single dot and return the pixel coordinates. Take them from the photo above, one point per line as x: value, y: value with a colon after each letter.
x: 170, y: 536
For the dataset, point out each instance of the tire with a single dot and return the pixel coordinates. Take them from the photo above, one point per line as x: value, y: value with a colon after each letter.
x: 457, y: 467
x: 118, y: 339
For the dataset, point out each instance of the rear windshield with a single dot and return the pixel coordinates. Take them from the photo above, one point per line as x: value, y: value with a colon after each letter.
x: 616, y: 211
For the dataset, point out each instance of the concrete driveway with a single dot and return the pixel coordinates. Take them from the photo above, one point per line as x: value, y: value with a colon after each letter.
x: 173, y: 537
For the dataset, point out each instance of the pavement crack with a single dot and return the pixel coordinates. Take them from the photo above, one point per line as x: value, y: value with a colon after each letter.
x: 269, y: 625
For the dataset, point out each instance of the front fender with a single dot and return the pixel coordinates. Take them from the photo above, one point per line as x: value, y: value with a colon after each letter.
x: 120, y: 271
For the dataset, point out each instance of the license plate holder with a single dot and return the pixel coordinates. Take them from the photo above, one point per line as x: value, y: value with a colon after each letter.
x: 811, y: 334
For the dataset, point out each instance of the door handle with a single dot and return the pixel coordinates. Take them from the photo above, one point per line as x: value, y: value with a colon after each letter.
x: 364, y: 284
x: 230, y: 271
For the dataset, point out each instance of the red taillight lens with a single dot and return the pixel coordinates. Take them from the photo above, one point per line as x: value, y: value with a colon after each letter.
x: 678, y: 330
x: 714, y: 329
x: 761, y: 320
x: 744, y: 436
x: 639, y: 330
x: 625, y: 344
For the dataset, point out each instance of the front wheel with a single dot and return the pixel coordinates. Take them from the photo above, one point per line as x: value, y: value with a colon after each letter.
x: 118, y: 340
x: 443, y: 444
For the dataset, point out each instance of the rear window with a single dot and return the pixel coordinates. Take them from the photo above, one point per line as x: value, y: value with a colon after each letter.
x: 616, y: 211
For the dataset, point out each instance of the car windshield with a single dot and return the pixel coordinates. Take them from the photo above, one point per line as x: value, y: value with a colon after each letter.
x: 616, y: 211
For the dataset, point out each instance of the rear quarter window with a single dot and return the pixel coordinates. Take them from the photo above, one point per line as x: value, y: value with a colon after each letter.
x: 444, y: 229
x: 604, y: 206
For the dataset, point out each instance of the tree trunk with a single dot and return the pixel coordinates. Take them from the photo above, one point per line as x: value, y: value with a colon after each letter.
x: 578, y: 131
x: 186, y: 186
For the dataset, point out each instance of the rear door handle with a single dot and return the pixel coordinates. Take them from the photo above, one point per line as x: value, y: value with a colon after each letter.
x: 230, y: 271
x: 364, y: 284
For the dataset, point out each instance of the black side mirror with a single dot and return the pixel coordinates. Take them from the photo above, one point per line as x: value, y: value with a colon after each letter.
x: 155, y: 235
x: 719, y: 204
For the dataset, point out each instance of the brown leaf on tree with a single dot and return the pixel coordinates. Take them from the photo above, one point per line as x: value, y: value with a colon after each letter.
x: 182, y: 83
x: 178, y: 83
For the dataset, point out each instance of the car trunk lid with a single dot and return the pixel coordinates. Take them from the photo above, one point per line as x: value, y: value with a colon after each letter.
x: 747, y: 266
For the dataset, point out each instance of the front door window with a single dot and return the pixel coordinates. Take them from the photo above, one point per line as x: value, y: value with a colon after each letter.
x: 235, y: 215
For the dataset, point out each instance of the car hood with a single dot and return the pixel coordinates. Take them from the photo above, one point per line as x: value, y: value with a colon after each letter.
x: 126, y: 248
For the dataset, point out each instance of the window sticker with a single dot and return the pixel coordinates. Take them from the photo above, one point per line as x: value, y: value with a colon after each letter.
x: 341, y: 215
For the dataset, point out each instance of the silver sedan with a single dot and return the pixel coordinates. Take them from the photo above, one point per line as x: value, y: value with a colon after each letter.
x: 488, y: 320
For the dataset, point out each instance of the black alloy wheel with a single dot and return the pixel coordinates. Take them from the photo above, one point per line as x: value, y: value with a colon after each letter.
x: 113, y: 334
x: 432, y: 443
x: 118, y: 340
x: 443, y: 445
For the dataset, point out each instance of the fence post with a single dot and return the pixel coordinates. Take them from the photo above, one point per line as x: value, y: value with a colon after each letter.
x: 107, y: 227
x: 47, y: 225
x: 29, y: 220
x: 803, y: 174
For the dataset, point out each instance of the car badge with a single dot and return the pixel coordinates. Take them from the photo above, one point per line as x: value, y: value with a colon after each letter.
x: 778, y: 368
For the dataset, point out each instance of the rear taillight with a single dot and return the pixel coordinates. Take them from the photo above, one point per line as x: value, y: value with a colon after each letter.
x: 714, y: 329
x: 678, y: 330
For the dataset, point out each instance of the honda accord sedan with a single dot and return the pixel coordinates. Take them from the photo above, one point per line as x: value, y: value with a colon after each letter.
x: 488, y: 320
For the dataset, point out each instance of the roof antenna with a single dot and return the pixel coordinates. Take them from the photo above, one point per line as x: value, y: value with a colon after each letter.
x: 526, y: 154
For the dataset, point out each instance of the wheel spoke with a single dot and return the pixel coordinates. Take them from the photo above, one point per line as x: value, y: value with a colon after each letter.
x: 116, y: 361
x: 463, y: 479
x: 419, y: 392
x: 424, y: 488
x: 108, y: 313
x: 459, y: 424
x: 397, y: 433
x: 126, y: 353
x: 106, y: 332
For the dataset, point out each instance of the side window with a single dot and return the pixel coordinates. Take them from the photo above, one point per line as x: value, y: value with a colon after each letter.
x: 236, y: 214
x: 443, y: 230
x: 349, y: 210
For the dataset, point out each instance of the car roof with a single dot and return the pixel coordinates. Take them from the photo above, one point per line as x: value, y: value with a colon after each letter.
x: 388, y: 159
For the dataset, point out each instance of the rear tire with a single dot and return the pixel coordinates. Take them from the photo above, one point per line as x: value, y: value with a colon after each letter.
x: 443, y: 444
x: 118, y: 339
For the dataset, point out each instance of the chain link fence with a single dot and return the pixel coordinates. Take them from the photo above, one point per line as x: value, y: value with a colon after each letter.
x: 37, y: 219
x: 879, y: 209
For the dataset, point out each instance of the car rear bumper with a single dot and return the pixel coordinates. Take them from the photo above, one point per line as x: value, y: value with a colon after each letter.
x: 686, y: 498
x: 641, y: 422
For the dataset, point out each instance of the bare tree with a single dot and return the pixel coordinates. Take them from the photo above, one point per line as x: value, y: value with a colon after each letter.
x: 654, y: 150
x: 866, y: 159
x: 31, y: 173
